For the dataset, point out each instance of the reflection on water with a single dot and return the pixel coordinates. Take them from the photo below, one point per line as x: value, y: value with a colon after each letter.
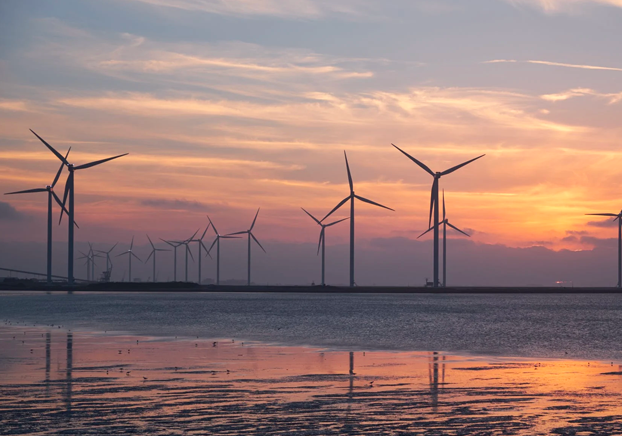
x: 190, y: 385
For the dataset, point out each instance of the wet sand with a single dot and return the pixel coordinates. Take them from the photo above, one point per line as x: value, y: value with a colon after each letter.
x: 55, y: 381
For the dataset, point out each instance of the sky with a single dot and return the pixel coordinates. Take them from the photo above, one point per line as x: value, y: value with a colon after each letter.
x: 225, y: 106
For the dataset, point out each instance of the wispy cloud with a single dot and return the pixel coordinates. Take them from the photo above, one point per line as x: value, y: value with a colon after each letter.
x: 9, y: 213
x: 554, y: 64
x: 177, y: 204
x: 553, y: 6
x: 581, y: 92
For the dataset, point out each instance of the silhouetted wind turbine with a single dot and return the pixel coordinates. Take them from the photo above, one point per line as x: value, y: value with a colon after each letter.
x: 201, y: 246
x: 153, y: 253
x: 173, y: 244
x: 434, y: 201
x: 186, y: 244
x: 70, y: 190
x: 618, y: 216
x: 87, y: 263
x: 250, y: 235
x: 51, y: 194
x: 108, y: 261
x: 130, y: 253
x: 351, y: 197
x: 217, y: 243
x: 445, y: 223
x: 322, y: 241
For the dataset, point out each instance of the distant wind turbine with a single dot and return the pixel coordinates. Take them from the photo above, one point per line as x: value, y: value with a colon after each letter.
x: 173, y: 244
x: 130, y: 253
x: 249, y: 232
x: 445, y: 223
x: 618, y: 216
x: 322, y: 241
x: 153, y: 253
x: 51, y: 194
x: 70, y: 190
x: 186, y: 244
x: 434, y: 201
x: 351, y: 198
x: 108, y: 261
x: 217, y: 243
x: 201, y: 247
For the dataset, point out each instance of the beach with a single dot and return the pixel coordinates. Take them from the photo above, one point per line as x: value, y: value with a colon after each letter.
x: 69, y: 379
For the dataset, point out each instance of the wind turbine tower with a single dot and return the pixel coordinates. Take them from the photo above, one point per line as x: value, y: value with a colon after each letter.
x: 618, y: 217
x: 249, y: 232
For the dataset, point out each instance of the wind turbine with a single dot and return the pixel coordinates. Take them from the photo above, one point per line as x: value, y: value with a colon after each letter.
x: 201, y: 246
x: 93, y: 264
x: 130, y: 253
x: 173, y: 244
x: 186, y: 244
x: 51, y: 194
x: 351, y: 197
x: 434, y: 201
x: 69, y: 190
x: 217, y: 243
x: 322, y: 241
x: 87, y: 263
x: 153, y: 253
x: 250, y: 235
x: 618, y: 216
x: 445, y: 223
x: 108, y: 261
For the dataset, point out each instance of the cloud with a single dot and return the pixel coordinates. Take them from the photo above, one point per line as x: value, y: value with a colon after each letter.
x: 553, y: 64
x: 9, y: 213
x: 177, y: 204
x: 581, y: 92
x: 606, y: 223
x: 553, y: 6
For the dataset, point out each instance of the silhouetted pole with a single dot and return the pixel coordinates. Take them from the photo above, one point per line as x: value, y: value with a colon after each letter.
x: 70, y: 223
x: 249, y: 259
x: 130, y: 256
x: 323, y: 253
x: 186, y: 277
x: 175, y: 264
x: 352, y: 240
x: 218, y: 261
x: 436, y: 229
x: 444, y: 253
x: 351, y: 362
x: 49, y: 260
x: 199, y: 263
x: 619, y: 252
x: 154, y: 267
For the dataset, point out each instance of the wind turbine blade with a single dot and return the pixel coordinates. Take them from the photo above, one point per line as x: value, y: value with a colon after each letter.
x: 132, y: 244
x: 603, y: 214
x: 349, y: 174
x: 125, y: 252
x: 60, y: 204
x: 372, y: 202
x: 230, y: 237
x: 68, y: 183
x: 150, y: 254
x: 429, y: 230
x: 132, y: 253
x: 421, y: 164
x: 193, y: 235
x: 236, y: 233
x: 169, y: 243
x: 254, y: 220
x: 213, y: 243
x: 60, y: 170
x: 319, y: 242
x: 336, y: 222
x: 452, y: 169
x: 52, y: 149
x: 314, y: 218
x: 27, y: 191
x: 112, y: 247
x: 443, y: 205
x: 152, y: 246
x: 97, y: 162
x: 189, y: 252
x: 213, y: 226
x: 432, y: 200
x: 253, y: 236
x: 203, y: 235
x: 456, y: 228
x: 337, y: 207
x: 204, y: 247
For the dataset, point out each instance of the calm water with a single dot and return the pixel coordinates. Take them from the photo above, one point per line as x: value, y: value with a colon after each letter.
x: 583, y: 326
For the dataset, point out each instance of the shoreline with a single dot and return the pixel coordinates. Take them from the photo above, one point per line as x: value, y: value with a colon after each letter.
x: 30, y: 285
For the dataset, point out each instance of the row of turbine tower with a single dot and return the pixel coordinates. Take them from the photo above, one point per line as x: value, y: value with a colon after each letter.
x: 434, y: 224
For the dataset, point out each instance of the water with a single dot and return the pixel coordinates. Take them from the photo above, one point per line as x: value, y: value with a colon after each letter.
x: 546, y: 326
